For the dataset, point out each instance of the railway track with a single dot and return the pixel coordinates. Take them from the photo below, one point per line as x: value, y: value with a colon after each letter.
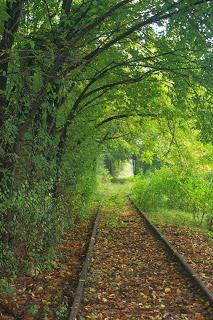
x: 178, y: 257
x: 83, y: 275
x: 136, y: 274
x: 132, y: 272
x: 52, y: 290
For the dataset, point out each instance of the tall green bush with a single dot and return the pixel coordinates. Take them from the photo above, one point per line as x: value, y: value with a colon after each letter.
x: 176, y: 188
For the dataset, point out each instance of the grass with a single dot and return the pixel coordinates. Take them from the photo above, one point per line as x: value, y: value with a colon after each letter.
x: 111, y: 220
x: 171, y: 216
x: 182, y: 219
x: 115, y: 195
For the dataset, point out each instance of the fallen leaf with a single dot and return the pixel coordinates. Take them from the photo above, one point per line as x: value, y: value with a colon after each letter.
x: 198, y: 316
x: 178, y: 291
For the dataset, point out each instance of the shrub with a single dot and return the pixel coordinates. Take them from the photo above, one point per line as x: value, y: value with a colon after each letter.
x: 176, y: 189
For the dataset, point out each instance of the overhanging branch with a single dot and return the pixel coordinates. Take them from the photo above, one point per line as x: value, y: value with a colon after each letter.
x: 125, y: 116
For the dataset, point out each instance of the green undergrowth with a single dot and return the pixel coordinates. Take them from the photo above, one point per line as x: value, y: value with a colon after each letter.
x: 181, y: 219
x: 114, y: 196
x: 173, y: 196
x: 113, y: 192
x: 174, y: 217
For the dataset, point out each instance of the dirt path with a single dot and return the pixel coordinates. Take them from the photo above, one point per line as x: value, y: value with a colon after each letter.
x: 132, y: 277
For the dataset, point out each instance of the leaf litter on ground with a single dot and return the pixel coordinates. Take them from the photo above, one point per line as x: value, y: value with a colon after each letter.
x: 48, y: 294
x: 132, y: 277
x: 196, y: 248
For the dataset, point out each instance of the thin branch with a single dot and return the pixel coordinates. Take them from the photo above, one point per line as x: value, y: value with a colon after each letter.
x: 49, y: 15
x: 125, y: 116
x: 103, y: 17
x: 118, y: 83
x: 172, y: 132
x: 111, y: 138
x: 160, y: 16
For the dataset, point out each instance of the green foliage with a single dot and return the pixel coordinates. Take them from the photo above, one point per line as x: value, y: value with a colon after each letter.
x: 7, y: 288
x: 112, y: 221
x: 96, y: 78
x: 32, y: 310
x: 61, y: 312
x: 37, y: 224
x: 175, y: 188
x: 177, y: 217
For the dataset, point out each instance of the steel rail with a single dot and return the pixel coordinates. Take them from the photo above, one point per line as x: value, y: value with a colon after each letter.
x: 178, y: 257
x: 83, y: 274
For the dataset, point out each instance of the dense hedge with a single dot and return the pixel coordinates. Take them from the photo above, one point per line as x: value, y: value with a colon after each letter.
x: 177, y: 189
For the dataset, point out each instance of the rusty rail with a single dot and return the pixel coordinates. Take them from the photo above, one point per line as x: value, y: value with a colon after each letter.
x: 83, y: 275
x: 178, y: 257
